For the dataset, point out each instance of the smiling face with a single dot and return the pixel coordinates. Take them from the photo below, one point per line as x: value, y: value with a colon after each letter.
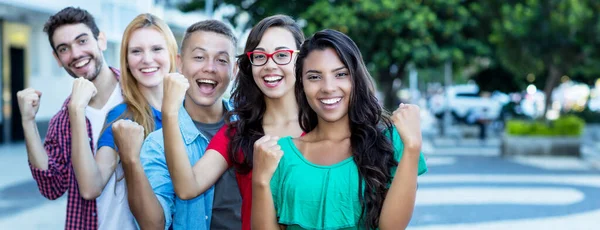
x: 148, y: 57
x: 207, y: 62
x: 78, y: 51
x: 327, y: 85
x: 272, y: 79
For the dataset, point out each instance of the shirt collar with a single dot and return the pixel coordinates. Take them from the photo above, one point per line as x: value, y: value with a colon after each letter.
x: 116, y: 72
x: 187, y: 126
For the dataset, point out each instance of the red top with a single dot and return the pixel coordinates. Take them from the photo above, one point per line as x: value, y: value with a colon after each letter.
x: 219, y: 143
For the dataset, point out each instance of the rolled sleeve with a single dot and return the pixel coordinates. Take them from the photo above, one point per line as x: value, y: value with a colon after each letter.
x: 155, y: 166
x: 168, y: 209
x: 54, y: 181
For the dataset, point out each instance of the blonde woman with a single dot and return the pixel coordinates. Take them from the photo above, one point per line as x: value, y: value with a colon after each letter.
x: 148, y: 52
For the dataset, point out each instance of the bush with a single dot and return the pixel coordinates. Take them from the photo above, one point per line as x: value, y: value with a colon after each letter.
x: 568, y: 125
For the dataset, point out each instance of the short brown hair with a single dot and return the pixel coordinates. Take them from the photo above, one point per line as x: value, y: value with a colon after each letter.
x: 214, y: 26
x: 70, y: 16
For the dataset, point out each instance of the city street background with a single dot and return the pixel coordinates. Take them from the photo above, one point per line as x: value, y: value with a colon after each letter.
x: 525, y: 73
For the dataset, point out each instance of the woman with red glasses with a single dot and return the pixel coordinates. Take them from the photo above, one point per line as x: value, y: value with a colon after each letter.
x: 264, y: 104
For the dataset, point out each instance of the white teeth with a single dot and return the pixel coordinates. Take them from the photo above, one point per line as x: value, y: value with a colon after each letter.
x: 82, y: 63
x: 273, y: 78
x: 149, y: 70
x: 206, y: 81
x: 331, y: 101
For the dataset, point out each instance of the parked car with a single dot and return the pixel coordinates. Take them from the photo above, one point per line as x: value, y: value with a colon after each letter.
x: 466, y: 99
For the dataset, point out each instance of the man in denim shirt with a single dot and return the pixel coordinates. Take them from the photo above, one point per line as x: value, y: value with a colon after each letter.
x: 207, y: 62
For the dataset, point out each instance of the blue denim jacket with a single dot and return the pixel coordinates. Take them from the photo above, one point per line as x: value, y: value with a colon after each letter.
x: 182, y: 214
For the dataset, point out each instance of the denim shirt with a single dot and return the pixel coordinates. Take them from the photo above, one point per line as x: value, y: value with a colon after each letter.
x: 181, y: 214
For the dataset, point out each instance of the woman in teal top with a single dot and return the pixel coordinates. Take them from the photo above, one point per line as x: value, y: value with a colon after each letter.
x: 356, y: 167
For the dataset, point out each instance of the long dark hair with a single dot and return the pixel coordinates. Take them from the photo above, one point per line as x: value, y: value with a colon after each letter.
x: 372, y: 150
x: 245, y: 120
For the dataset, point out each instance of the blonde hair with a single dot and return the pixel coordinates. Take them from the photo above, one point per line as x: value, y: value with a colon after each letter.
x: 138, y: 108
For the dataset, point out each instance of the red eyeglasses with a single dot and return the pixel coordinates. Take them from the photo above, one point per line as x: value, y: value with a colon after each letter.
x: 280, y: 57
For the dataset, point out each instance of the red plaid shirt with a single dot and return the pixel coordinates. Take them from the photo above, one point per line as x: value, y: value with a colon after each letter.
x: 60, y: 176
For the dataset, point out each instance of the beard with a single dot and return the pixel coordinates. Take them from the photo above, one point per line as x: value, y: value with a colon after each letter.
x: 91, y: 76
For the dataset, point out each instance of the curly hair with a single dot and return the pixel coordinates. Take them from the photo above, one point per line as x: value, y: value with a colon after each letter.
x: 248, y: 101
x: 372, y: 150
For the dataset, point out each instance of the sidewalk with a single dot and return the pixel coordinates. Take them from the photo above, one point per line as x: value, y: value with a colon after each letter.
x: 590, y: 150
x: 469, y: 186
x: 436, y: 148
x: 21, y: 205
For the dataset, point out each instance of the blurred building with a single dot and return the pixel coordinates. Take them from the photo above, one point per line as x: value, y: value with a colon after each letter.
x: 27, y: 60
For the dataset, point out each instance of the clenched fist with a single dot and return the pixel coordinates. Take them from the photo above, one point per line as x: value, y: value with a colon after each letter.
x: 129, y: 137
x: 29, y: 103
x: 83, y: 91
x: 175, y: 86
x: 407, y: 120
x: 267, y: 154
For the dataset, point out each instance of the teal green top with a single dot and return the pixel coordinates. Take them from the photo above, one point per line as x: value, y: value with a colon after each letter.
x: 311, y: 196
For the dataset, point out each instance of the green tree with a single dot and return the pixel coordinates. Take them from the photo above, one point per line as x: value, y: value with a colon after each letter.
x: 391, y: 34
x: 551, y: 37
x: 255, y: 8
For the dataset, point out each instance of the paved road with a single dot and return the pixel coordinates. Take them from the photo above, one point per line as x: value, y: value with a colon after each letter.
x: 471, y: 187
x: 21, y: 205
x: 468, y: 186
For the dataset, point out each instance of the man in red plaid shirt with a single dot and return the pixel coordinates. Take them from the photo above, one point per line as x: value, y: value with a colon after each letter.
x: 77, y: 44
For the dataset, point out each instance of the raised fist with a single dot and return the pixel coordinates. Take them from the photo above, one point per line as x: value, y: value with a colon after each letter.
x: 175, y: 86
x: 129, y: 137
x: 407, y: 119
x: 29, y: 103
x: 267, y: 154
x: 83, y: 91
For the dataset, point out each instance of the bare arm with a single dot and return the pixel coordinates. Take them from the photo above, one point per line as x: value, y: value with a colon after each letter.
x: 263, y: 208
x: 51, y: 175
x: 267, y: 154
x: 36, y: 153
x: 189, y: 182
x: 29, y: 103
x: 142, y: 201
x: 92, y: 172
x: 47, y: 162
x: 400, y: 200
